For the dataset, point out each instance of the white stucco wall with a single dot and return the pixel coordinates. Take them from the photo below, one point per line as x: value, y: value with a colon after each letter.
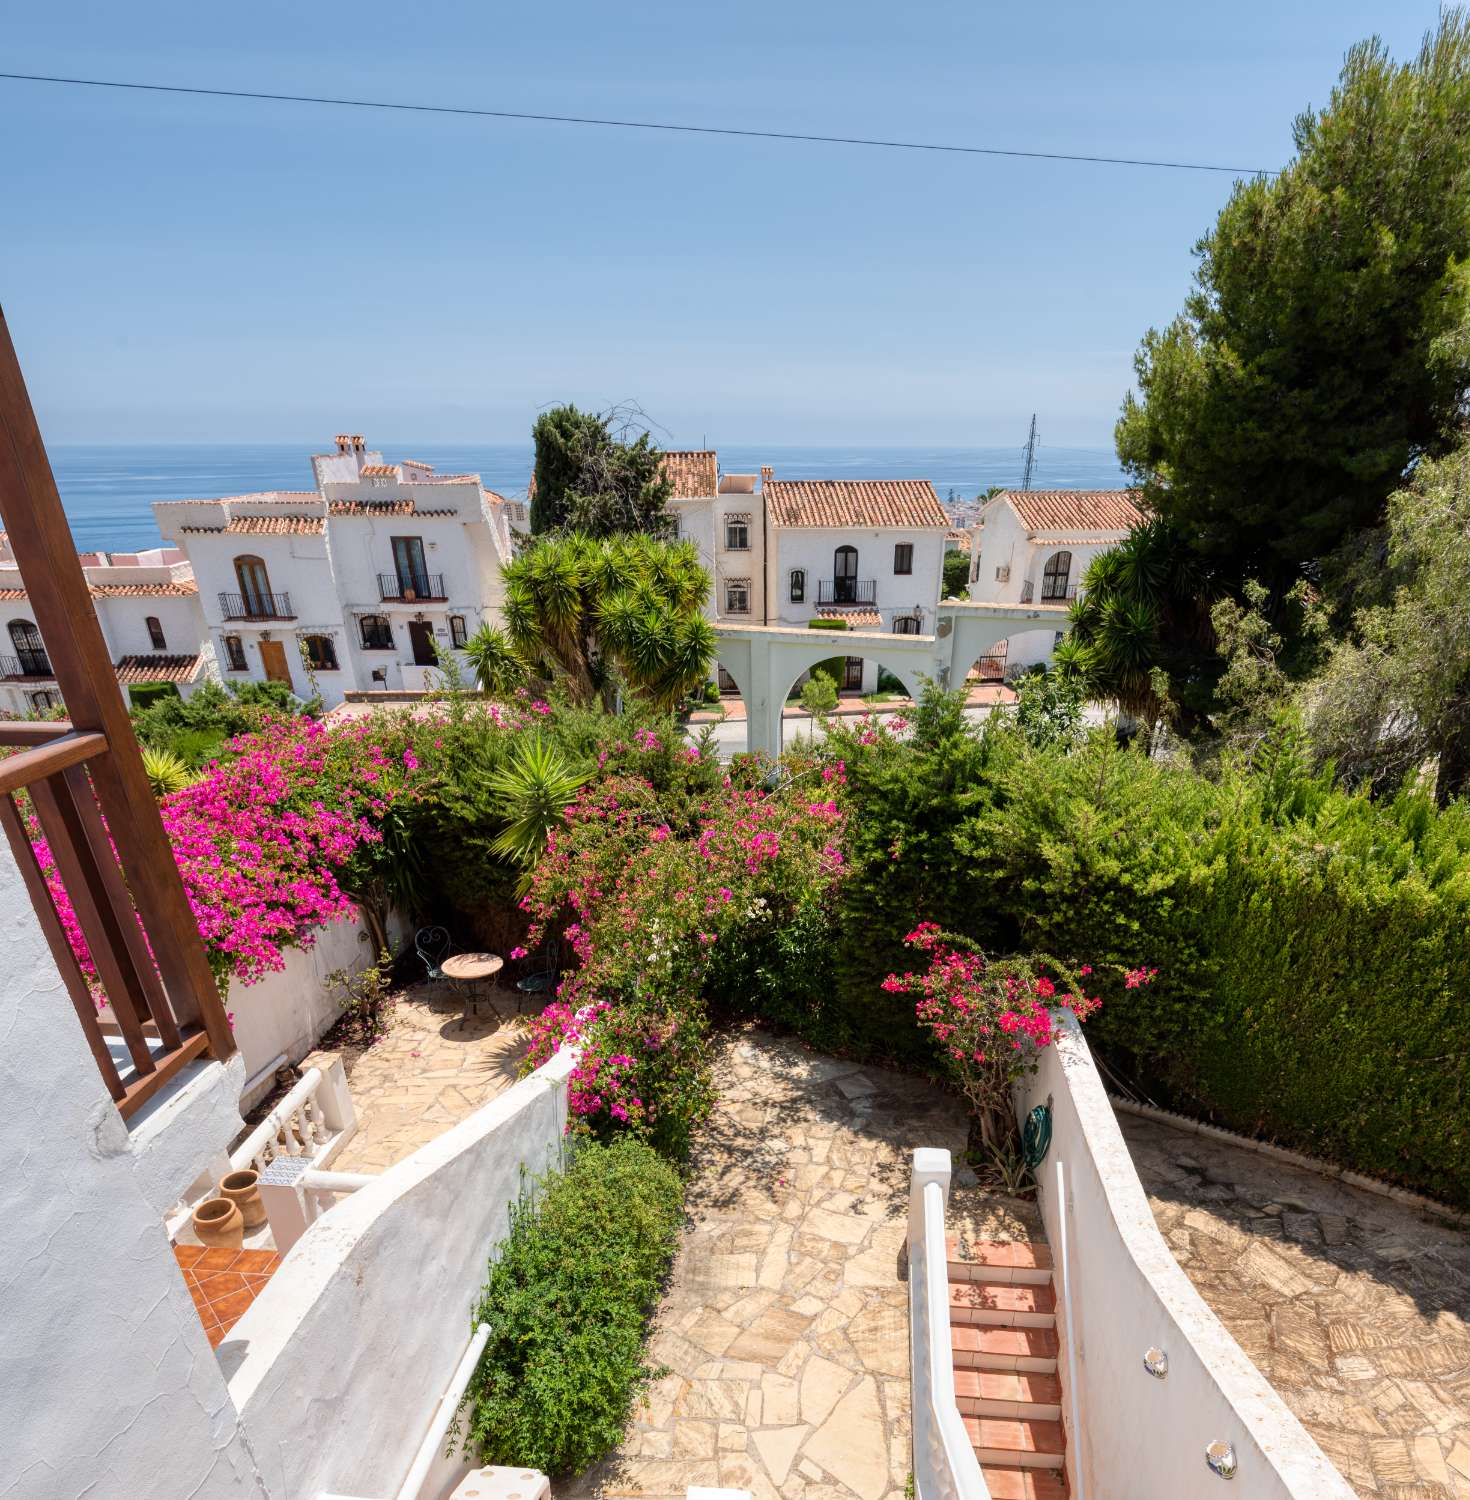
x: 108, y: 1387
x: 814, y: 549
x: 338, y: 1365
x: 291, y: 1010
x: 1143, y: 1437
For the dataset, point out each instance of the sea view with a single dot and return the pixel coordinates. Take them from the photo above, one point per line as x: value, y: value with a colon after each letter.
x: 107, y: 490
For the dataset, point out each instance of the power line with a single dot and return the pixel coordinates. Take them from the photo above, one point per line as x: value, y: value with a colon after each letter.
x: 509, y: 114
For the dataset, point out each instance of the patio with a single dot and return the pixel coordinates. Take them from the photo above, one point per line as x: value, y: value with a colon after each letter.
x: 785, y: 1326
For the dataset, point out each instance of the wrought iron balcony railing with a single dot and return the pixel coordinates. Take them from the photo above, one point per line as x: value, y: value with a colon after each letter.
x: 256, y: 607
x: 27, y: 663
x: 411, y: 586
x: 847, y: 590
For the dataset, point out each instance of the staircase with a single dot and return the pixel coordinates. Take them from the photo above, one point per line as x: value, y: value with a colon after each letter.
x: 1003, y: 1335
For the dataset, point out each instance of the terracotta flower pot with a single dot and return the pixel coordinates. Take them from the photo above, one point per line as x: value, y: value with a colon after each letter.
x: 242, y: 1188
x: 219, y: 1224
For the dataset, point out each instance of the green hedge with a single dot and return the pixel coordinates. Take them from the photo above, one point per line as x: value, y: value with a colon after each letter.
x: 144, y: 694
x: 1313, y: 948
x: 568, y: 1302
x: 834, y: 666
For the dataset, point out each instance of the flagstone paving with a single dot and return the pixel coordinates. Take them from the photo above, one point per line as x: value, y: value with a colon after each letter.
x: 1353, y: 1306
x: 432, y: 1068
x: 785, y: 1327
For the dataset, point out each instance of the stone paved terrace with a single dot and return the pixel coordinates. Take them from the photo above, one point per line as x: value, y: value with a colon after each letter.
x: 431, y: 1069
x: 785, y: 1327
x: 1353, y: 1306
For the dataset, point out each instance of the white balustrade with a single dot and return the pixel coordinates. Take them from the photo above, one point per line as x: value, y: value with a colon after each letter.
x: 945, y: 1466
x: 315, y: 1116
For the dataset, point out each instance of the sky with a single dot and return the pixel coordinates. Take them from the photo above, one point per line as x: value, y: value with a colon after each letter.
x: 201, y: 270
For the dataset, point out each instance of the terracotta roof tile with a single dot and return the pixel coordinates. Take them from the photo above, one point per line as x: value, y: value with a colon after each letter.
x: 1075, y: 510
x: 382, y: 508
x: 379, y: 471
x: 183, y: 589
x: 854, y: 502
x: 957, y: 541
x: 255, y: 497
x: 859, y: 617
x: 12, y: 593
x: 263, y: 526
x: 156, y: 668
x: 414, y: 463
x: 692, y: 472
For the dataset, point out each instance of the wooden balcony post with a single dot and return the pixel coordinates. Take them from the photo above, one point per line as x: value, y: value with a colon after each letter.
x: 47, y: 557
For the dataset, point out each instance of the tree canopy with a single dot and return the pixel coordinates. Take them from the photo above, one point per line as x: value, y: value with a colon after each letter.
x: 1326, y: 345
x: 592, y: 614
x: 594, y: 476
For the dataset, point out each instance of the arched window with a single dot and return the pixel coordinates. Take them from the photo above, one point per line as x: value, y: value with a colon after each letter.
x: 155, y: 633
x: 255, y: 586
x: 1054, y: 576
x: 377, y: 633
x: 458, y: 636
x: 844, y: 575
x: 30, y: 649
x: 798, y: 585
x: 321, y: 653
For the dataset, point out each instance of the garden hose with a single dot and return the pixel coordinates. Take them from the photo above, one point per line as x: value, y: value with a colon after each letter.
x: 1036, y: 1136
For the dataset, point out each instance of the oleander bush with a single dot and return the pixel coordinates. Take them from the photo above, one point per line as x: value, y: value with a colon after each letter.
x: 568, y: 1301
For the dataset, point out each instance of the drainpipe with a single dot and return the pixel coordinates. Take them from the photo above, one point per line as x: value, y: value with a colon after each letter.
x: 765, y: 561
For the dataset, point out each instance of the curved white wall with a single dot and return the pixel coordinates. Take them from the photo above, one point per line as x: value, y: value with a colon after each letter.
x: 1143, y: 1437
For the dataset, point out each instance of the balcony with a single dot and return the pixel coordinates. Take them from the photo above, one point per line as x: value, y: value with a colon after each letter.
x: 32, y: 665
x: 410, y: 587
x: 847, y: 591
x: 256, y: 607
x: 1057, y: 593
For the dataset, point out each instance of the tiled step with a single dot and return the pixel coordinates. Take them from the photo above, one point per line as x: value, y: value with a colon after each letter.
x: 1016, y: 1443
x: 1029, y: 1349
x: 1006, y: 1393
x: 1005, y: 1304
x: 999, y: 1260
x: 1007, y: 1483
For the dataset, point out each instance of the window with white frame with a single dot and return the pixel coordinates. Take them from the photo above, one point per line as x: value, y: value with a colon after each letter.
x: 798, y: 585
x: 737, y: 533
x: 906, y: 624
x: 457, y: 633
x: 321, y: 652
x: 903, y: 557
x: 235, y: 654
x: 737, y: 596
x: 155, y: 633
x: 377, y: 633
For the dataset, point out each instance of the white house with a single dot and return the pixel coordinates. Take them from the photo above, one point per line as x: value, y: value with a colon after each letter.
x: 363, y: 583
x: 869, y: 552
x: 1033, y: 546
x: 148, y: 606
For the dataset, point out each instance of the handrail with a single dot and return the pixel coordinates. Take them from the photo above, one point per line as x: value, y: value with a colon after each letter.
x: 254, y: 1143
x: 18, y: 771
x: 945, y: 1466
x: 433, y: 1442
x: 33, y: 732
x: 1074, y: 1386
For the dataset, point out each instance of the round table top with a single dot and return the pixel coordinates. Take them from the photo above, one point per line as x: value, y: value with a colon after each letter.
x: 472, y: 965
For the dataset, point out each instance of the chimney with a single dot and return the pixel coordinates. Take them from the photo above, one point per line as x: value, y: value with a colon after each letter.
x: 359, y: 443
x: 767, y: 474
x: 342, y: 442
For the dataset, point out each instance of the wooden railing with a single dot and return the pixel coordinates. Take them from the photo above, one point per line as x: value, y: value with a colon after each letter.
x: 93, y: 805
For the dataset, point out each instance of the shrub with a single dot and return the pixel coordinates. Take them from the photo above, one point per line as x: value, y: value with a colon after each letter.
x: 567, y: 1301
x: 144, y: 694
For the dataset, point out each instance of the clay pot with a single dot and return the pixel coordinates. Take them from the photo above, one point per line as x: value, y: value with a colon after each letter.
x: 242, y: 1188
x: 219, y: 1224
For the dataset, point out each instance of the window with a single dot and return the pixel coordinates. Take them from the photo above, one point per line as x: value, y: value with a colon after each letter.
x: 155, y: 633
x: 798, y: 585
x: 234, y: 653
x: 844, y: 576
x: 737, y: 533
x: 408, y: 562
x: 1054, y: 575
x: 255, y: 586
x: 30, y: 649
x: 42, y: 701
x: 905, y: 624
x: 737, y: 596
x: 457, y: 635
x: 377, y: 633
x: 903, y: 557
x: 321, y: 653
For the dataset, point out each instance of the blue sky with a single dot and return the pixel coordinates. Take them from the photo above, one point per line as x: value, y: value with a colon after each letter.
x: 207, y: 270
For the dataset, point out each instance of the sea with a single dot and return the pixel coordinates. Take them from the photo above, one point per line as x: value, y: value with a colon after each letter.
x: 108, y: 490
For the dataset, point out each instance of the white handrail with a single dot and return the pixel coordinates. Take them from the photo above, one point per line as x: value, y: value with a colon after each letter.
x: 945, y: 1466
x: 443, y: 1415
x: 1069, y: 1330
x: 264, y: 1133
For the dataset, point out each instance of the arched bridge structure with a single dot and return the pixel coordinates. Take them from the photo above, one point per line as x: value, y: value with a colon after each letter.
x: 765, y: 660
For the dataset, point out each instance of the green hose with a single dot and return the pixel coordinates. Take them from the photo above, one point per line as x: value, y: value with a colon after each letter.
x: 1036, y: 1136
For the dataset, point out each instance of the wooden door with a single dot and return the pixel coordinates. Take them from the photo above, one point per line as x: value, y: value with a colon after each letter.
x: 273, y: 659
x: 421, y: 637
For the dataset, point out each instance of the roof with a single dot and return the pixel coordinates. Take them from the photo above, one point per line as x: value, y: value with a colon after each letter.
x: 692, y: 472
x: 859, y: 617
x: 414, y: 463
x: 255, y: 497
x: 157, y: 668
x: 182, y: 589
x: 12, y: 593
x: 1075, y: 510
x: 262, y: 526
x: 957, y: 541
x: 854, y: 502
x: 382, y: 508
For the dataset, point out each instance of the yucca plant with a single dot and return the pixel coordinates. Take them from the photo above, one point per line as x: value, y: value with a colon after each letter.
x: 497, y: 665
x: 536, y: 783
x: 165, y: 771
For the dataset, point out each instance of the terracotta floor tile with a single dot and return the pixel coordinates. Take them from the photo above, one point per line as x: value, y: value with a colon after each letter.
x: 229, y: 1310
x: 216, y: 1260
x: 261, y: 1261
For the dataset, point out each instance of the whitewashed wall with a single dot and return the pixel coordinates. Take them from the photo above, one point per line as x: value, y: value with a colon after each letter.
x: 814, y: 548
x: 289, y: 1011
x: 108, y: 1387
x: 338, y: 1365
x: 1143, y: 1437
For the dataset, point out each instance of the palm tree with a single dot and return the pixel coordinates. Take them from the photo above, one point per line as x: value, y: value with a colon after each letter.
x: 536, y: 784
x: 497, y: 666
